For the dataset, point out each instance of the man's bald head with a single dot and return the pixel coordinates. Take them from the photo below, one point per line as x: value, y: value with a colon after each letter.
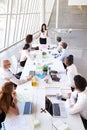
x: 6, y: 64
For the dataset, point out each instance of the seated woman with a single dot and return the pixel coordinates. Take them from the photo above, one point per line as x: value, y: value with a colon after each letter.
x: 8, y: 101
x: 29, y: 39
x: 24, y: 54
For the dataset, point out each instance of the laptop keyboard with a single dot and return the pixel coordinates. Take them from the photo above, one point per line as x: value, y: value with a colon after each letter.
x: 56, y: 109
x: 59, y: 110
x: 27, y: 108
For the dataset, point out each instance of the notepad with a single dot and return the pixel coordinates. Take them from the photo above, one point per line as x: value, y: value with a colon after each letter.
x: 27, y: 108
x: 60, y: 125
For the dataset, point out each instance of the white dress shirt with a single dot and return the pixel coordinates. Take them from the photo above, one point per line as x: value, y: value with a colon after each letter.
x: 71, y: 72
x: 9, y: 77
x: 62, y: 55
x: 43, y: 34
x: 81, y: 105
x: 30, y: 46
x: 24, y: 55
x: 59, y: 47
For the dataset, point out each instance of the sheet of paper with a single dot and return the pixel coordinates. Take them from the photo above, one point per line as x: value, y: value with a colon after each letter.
x: 16, y: 123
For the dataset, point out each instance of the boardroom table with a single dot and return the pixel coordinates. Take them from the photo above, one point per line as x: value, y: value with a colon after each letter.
x: 26, y: 92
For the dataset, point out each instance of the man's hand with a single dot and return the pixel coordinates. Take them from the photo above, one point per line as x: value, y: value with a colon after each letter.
x: 68, y: 95
x: 71, y: 106
x: 29, y: 78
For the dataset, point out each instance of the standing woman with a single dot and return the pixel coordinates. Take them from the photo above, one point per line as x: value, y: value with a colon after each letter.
x: 8, y: 101
x: 43, y: 34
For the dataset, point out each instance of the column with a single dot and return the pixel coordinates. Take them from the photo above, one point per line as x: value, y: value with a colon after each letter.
x: 42, y: 11
x: 57, y: 12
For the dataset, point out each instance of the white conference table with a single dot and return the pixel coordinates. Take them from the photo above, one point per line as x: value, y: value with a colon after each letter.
x: 36, y: 95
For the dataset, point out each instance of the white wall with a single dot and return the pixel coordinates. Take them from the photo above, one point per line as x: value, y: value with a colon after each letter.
x: 77, y: 2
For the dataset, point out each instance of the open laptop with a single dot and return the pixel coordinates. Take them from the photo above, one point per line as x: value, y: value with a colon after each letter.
x: 59, y: 110
x: 54, y: 76
x: 55, y: 109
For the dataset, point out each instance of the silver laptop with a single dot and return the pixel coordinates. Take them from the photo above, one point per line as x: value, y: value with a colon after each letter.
x: 56, y: 109
x: 59, y: 110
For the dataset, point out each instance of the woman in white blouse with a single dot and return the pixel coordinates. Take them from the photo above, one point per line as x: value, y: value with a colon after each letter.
x: 43, y: 34
x: 25, y: 54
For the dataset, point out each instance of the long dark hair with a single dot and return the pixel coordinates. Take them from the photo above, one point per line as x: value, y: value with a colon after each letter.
x: 42, y: 27
x: 29, y: 38
x: 26, y: 46
x: 5, y: 96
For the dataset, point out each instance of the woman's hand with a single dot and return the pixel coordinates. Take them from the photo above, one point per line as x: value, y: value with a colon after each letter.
x: 15, y: 100
x: 14, y: 95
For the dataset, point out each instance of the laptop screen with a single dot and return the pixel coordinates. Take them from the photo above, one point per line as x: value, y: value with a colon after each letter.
x: 55, y: 109
x: 48, y: 105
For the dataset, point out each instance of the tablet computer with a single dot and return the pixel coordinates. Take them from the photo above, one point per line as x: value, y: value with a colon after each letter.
x: 32, y: 72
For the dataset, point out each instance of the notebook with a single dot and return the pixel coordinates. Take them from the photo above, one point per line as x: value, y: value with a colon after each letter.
x: 60, y: 125
x: 41, y: 76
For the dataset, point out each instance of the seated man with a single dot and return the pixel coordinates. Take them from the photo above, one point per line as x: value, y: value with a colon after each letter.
x: 61, y: 56
x: 71, y: 71
x: 77, y: 101
x: 9, y: 76
x: 59, y: 42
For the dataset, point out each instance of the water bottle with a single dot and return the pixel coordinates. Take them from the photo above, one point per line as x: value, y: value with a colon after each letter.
x: 49, y: 70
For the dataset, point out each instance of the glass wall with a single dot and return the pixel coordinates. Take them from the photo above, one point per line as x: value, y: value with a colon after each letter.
x: 20, y: 17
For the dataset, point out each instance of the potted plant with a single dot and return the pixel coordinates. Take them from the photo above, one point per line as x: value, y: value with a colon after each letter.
x: 45, y: 69
x: 44, y: 54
